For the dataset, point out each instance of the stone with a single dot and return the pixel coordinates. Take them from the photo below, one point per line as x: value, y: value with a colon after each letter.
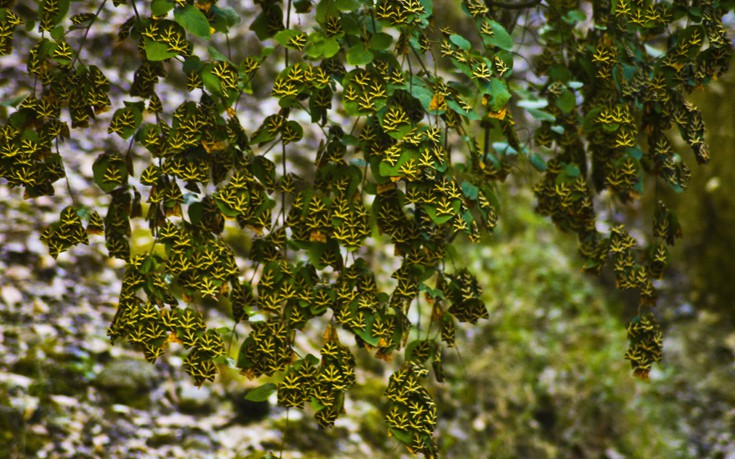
x: 127, y: 381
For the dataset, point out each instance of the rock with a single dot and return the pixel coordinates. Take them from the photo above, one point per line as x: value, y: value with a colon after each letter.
x: 248, y: 411
x: 195, y: 400
x: 128, y: 381
x: 197, y: 439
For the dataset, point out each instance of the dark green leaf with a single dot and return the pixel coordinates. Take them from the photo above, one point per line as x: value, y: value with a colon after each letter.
x: 359, y: 55
x: 192, y: 20
x: 261, y: 393
x: 324, y: 9
x: 566, y: 101
x: 403, y: 436
x: 347, y: 5
x: 380, y: 41
x: 161, y: 7
x: 571, y: 170
x: 469, y: 190
x: 223, y: 18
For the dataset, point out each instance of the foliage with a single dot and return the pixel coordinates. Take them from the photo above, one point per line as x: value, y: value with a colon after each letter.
x: 608, y: 75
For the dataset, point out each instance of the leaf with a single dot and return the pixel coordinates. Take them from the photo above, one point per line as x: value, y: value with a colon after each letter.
x: 13, y: 102
x: 347, y: 5
x: 403, y: 436
x: 102, y: 165
x: 438, y: 219
x: 571, y: 171
x: 470, y: 190
x: 155, y: 51
x: 215, y: 54
x: 212, y: 82
x: 359, y: 55
x: 192, y: 20
x: 500, y: 38
x: 533, y: 103
x: 460, y: 41
x: 541, y: 115
x: 161, y: 7
x: 324, y: 9
x: 566, y: 101
x: 380, y: 41
x: 499, y: 94
x: 284, y: 37
x: 537, y: 161
x: 318, y: 46
x: 366, y: 336
x: 261, y: 393
x: 574, y: 16
x: 223, y: 18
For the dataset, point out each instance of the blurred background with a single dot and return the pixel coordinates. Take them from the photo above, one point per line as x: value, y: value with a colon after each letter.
x: 544, y: 377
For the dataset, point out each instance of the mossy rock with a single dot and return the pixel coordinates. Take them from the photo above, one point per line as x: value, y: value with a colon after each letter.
x: 127, y: 381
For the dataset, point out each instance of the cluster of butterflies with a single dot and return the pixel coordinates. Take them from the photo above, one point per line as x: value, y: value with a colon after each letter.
x: 204, y: 170
x: 629, y: 86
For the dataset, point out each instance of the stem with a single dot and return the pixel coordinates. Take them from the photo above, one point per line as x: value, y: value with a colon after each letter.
x: 86, y: 33
x: 66, y: 176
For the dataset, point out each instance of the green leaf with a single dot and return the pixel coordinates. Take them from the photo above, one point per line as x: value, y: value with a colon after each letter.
x: 574, y: 16
x: 15, y: 101
x: 223, y: 18
x: 460, y: 41
x: 438, y: 219
x: 196, y: 212
x: 566, y: 101
x: 347, y: 5
x: 155, y: 51
x: 403, y: 436
x: 161, y: 7
x: 558, y: 129
x: 284, y: 37
x: 541, y: 115
x: 499, y: 94
x: 500, y: 38
x: 359, y: 55
x: 102, y: 164
x: 324, y: 9
x: 261, y: 393
x: 533, y: 103
x: 537, y: 162
x: 57, y: 33
x: 380, y: 41
x: 470, y: 190
x: 212, y: 82
x: 192, y: 20
x: 318, y: 46
x: 215, y: 54
x: 366, y: 336
x: 571, y: 171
